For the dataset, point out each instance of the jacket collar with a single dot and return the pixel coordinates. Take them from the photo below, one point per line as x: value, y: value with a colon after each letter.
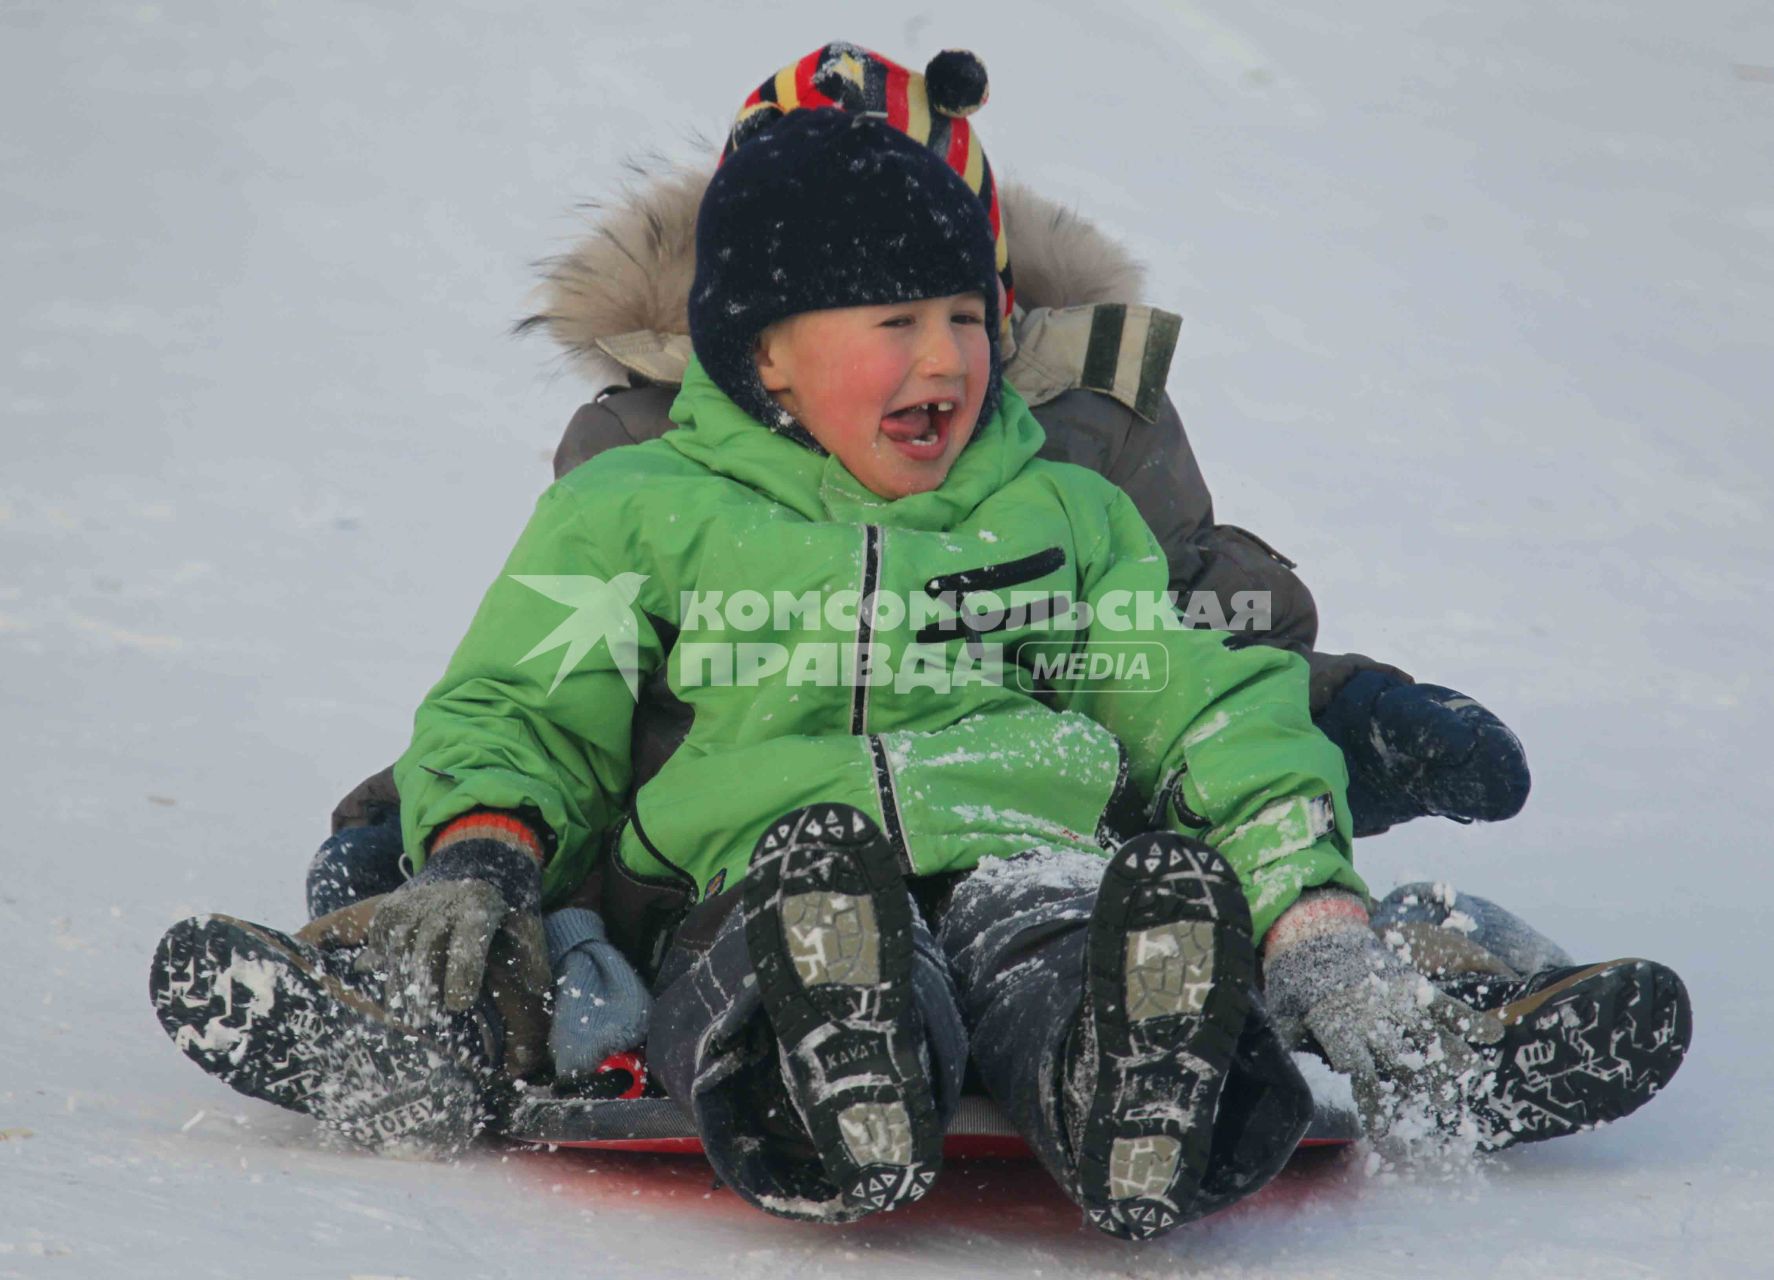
x: 721, y: 436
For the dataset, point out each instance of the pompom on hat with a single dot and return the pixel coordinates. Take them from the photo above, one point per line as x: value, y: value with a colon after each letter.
x: 956, y: 82
x: 931, y: 109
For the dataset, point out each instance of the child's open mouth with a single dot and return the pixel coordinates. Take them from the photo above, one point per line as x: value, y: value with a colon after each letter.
x: 920, y: 431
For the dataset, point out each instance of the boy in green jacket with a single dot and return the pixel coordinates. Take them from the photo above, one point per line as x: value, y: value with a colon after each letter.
x: 846, y: 445
x: 958, y: 785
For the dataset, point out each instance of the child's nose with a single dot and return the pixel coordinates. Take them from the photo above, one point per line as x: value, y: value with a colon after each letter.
x: 941, y: 356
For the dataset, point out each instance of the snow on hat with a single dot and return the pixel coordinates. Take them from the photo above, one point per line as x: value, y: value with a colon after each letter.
x: 931, y: 109
x: 828, y: 209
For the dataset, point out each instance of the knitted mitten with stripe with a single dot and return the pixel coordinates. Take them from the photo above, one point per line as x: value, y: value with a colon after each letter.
x: 468, y: 927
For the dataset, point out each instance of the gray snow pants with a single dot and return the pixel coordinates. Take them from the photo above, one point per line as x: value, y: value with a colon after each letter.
x: 1472, y: 932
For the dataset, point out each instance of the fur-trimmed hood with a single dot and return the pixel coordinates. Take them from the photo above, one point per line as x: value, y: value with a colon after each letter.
x: 617, y: 300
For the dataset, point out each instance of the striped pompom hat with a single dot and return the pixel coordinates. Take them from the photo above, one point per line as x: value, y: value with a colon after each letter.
x: 931, y: 109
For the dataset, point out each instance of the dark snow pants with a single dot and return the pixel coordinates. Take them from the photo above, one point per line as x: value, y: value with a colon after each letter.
x: 354, y: 864
x: 998, y: 979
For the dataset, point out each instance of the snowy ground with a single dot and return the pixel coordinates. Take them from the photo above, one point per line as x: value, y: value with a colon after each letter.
x: 1479, y: 306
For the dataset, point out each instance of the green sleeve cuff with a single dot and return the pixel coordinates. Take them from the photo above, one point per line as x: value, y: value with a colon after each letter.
x: 444, y: 798
x: 1273, y: 888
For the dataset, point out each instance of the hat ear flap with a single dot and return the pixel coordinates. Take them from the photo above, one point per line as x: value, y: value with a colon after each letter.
x: 842, y: 90
x: 841, y: 75
x: 753, y: 123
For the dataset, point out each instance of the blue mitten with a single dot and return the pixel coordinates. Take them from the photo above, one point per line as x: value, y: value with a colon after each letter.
x: 1418, y: 749
x: 600, y: 1004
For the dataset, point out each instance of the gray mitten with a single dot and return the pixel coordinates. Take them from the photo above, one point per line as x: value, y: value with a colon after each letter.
x: 468, y: 926
x: 1404, y: 1045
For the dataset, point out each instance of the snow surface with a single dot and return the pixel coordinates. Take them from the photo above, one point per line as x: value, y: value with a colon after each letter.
x: 1479, y: 302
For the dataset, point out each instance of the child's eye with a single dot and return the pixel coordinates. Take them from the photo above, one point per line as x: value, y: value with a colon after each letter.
x: 896, y: 322
x: 968, y: 317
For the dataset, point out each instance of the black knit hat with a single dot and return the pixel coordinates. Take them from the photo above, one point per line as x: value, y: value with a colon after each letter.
x: 829, y: 209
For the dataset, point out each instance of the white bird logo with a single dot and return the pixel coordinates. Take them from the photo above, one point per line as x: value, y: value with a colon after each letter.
x: 601, y: 611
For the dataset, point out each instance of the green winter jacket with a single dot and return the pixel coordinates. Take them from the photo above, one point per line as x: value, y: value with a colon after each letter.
x: 965, y: 730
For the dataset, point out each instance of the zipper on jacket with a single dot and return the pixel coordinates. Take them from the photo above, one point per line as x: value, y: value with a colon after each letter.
x: 865, y: 612
x: 891, y: 826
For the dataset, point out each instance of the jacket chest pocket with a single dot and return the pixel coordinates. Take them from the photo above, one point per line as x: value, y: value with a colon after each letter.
x: 1002, y: 603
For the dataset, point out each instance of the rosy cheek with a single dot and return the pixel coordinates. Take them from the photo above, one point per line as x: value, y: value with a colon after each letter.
x: 876, y: 376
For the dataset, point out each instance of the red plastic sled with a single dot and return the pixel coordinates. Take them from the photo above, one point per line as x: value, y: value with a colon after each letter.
x: 638, y: 1121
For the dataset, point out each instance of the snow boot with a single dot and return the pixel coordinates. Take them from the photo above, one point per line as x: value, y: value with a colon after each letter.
x: 1105, y: 1098
x: 1169, y: 967
x: 828, y: 927
x: 711, y: 1046
x: 280, y: 1020
x: 1582, y: 1045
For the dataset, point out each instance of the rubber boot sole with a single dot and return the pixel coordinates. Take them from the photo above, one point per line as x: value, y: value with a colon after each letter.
x: 1169, y: 971
x: 1590, y: 1048
x: 258, y: 1010
x: 829, y: 932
